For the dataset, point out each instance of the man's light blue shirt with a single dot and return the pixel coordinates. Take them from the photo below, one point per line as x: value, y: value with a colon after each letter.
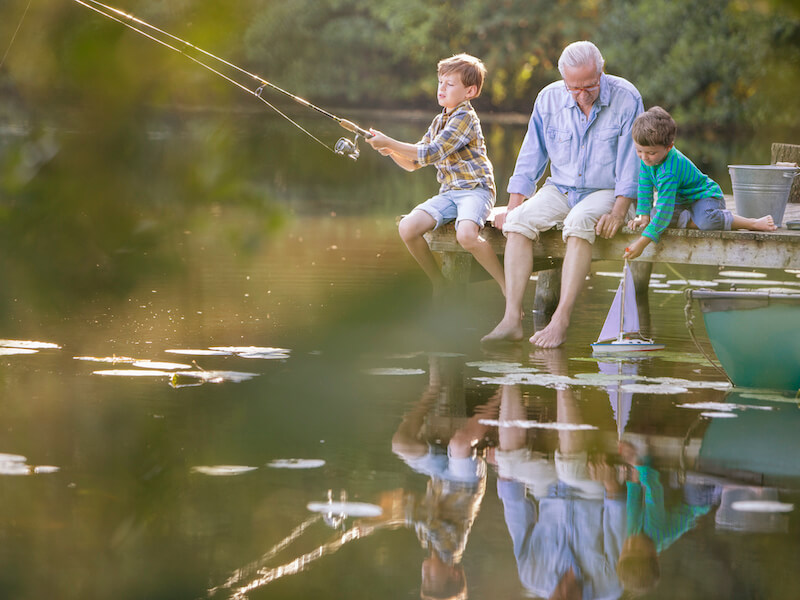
x: 586, y: 154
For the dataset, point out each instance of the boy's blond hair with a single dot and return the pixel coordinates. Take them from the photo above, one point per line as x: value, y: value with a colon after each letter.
x: 471, y: 70
x: 654, y: 127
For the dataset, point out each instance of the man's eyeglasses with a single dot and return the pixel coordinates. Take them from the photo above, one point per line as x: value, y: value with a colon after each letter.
x: 577, y: 90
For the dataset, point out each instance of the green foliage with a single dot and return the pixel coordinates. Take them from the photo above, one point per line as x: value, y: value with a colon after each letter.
x: 719, y: 63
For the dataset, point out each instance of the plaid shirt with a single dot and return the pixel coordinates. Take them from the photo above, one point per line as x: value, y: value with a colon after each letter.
x: 454, y: 144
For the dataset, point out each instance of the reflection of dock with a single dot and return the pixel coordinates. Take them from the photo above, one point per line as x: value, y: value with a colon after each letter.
x: 777, y: 250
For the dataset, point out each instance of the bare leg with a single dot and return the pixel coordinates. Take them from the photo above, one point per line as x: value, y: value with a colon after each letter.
x: 468, y: 235
x: 412, y: 227
x: 577, y: 261
x: 765, y: 223
x: 518, y: 268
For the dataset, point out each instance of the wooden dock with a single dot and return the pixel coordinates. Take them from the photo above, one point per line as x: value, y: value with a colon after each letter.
x: 744, y: 249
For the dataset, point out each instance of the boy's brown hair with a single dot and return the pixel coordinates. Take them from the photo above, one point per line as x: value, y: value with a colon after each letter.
x: 654, y: 127
x: 471, y: 70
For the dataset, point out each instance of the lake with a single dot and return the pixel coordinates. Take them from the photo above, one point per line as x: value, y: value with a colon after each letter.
x: 223, y: 376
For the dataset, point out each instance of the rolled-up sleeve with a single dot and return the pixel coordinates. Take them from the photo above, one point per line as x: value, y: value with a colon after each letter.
x: 457, y: 133
x: 532, y: 159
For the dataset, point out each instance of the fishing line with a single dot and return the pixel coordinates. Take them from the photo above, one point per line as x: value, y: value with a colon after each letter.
x: 13, y: 37
x: 343, y: 146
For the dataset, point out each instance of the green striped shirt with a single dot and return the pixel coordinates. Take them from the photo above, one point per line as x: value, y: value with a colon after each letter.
x: 677, y: 182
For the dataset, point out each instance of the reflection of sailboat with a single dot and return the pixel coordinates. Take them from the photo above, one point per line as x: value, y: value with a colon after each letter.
x: 623, y: 318
x: 620, y: 400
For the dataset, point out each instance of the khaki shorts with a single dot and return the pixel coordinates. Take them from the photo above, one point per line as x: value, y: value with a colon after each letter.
x: 538, y: 473
x: 548, y: 207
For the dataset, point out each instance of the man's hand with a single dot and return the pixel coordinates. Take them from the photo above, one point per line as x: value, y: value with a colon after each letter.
x: 608, y: 225
x: 378, y: 140
x: 514, y: 200
x: 499, y: 220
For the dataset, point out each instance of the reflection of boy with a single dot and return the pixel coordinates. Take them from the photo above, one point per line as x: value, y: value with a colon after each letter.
x: 651, y: 527
x: 443, y: 517
x: 454, y: 144
x: 685, y: 196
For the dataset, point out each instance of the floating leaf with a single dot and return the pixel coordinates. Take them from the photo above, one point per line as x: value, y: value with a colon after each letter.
x: 223, y: 470
x: 215, y: 376
x: 662, y: 388
x: 133, y: 373
x: 45, y: 469
x: 349, y: 509
x: 719, y: 415
x: 391, y: 371
x: 762, y: 506
x: 254, y: 351
x: 165, y: 366
x: 525, y: 424
x: 198, y: 352
x: 745, y: 274
x: 107, y: 359
x: 296, y: 463
x: 27, y: 344
x: 265, y: 355
x: 10, y: 351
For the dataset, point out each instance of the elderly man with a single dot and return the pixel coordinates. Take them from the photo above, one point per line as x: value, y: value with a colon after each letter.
x: 582, y: 125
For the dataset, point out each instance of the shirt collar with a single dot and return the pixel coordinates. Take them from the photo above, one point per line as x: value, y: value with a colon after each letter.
x: 464, y: 105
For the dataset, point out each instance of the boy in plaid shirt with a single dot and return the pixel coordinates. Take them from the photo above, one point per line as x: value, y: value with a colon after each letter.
x: 454, y: 144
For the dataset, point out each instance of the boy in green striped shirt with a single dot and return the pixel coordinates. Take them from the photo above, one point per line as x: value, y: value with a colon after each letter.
x: 686, y: 197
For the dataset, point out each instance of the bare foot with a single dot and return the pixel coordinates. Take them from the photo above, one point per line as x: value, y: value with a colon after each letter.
x: 551, y: 336
x: 764, y: 224
x: 505, y: 331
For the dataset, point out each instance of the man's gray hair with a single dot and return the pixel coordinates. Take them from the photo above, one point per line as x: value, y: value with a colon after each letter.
x: 578, y: 54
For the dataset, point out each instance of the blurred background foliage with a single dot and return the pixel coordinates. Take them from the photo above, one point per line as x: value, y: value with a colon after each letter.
x: 721, y: 63
x: 112, y: 141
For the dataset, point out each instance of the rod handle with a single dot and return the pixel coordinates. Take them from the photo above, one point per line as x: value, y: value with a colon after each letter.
x: 350, y: 126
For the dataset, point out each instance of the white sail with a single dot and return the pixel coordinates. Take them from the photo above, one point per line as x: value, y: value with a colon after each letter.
x: 616, y: 323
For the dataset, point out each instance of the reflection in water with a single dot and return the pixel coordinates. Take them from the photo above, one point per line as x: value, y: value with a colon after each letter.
x: 568, y: 534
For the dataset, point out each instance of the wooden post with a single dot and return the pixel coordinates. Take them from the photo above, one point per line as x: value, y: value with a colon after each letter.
x: 640, y: 271
x: 788, y: 153
x: 457, y: 267
x: 548, y: 293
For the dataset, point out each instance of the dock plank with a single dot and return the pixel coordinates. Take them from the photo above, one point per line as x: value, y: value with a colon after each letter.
x: 776, y: 250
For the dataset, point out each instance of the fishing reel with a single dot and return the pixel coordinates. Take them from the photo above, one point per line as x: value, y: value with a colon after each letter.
x: 348, y: 148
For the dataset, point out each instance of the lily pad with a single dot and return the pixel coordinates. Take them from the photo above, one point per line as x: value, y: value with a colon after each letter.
x: 658, y: 388
x: 762, y: 506
x: 223, y: 470
x: 164, y: 366
x: 525, y: 424
x: 215, y: 376
x: 10, y: 351
x: 107, y: 359
x: 133, y: 373
x: 198, y: 352
x: 296, y: 463
x: 719, y: 415
x: 31, y: 345
x: 350, y: 509
x: 395, y: 371
x: 744, y: 274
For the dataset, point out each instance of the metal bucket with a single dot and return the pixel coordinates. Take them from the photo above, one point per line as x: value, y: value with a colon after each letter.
x: 760, y: 190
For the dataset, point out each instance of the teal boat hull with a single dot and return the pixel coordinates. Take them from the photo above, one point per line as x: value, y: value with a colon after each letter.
x: 755, y: 335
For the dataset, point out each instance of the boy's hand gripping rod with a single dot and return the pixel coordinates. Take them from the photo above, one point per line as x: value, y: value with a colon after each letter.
x: 344, y: 146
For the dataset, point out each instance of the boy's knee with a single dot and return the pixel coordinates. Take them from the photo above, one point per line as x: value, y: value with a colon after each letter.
x: 710, y: 219
x: 409, y: 228
x: 467, y: 235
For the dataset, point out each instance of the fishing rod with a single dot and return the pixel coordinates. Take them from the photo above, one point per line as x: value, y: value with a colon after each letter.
x: 344, y: 146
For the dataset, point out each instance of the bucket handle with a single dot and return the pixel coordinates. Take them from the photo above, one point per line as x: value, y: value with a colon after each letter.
x: 792, y: 175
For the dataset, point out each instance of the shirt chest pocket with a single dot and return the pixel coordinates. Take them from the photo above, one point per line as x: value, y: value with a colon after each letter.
x: 559, y: 144
x: 604, y: 147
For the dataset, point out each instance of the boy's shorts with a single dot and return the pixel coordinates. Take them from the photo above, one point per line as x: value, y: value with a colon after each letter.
x: 473, y: 205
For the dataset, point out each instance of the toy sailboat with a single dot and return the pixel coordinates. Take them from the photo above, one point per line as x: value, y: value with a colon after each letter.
x: 622, y: 319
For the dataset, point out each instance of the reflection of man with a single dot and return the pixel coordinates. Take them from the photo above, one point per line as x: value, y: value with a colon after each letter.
x: 567, y: 538
x: 443, y: 517
x: 582, y: 126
